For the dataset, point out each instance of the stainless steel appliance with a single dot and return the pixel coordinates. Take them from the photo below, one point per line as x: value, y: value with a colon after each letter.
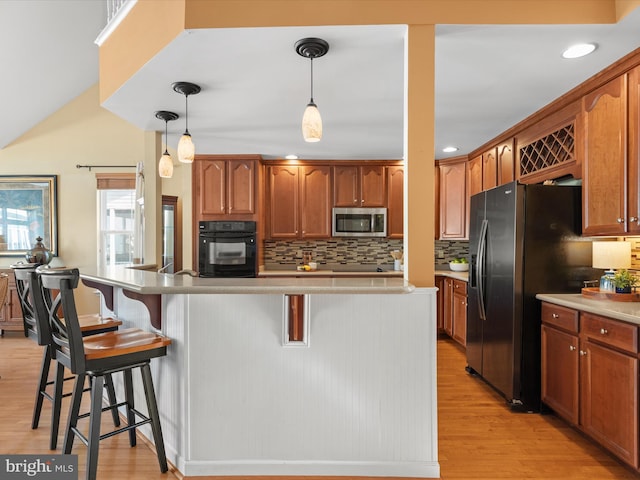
x: 524, y: 240
x: 227, y: 249
x: 359, y: 222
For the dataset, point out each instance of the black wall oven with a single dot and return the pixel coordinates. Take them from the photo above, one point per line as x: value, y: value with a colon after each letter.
x: 227, y: 249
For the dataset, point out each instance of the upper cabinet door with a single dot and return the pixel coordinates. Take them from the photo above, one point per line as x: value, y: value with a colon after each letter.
x: 475, y: 176
x: 345, y: 187
x: 489, y: 169
x: 395, y: 202
x: 283, y: 201
x: 604, y: 187
x: 211, y: 191
x: 506, y: 170
x: 373, y: 186
x: 315, y: 194
x: 359, y: 186
x: 633, y: 202
x: 242, y: 178
x: 453, y: 201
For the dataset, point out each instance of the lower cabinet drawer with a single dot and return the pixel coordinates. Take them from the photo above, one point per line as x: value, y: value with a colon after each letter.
x: 607, y: 331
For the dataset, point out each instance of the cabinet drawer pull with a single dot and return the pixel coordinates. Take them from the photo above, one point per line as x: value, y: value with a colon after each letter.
x: 583, y: 352
x: 603, y: 331
x: 555, y: 315
x: 572, y: 348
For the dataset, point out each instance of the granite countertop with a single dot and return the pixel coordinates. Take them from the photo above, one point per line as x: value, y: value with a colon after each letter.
x: 150, y: 282
x: 625, y: 311
x: 464, y: 276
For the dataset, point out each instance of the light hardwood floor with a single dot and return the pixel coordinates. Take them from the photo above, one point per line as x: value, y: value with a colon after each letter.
x: 479, y: 438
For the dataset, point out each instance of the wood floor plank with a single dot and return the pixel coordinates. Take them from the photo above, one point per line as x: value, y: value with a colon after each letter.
x: 479, y: 437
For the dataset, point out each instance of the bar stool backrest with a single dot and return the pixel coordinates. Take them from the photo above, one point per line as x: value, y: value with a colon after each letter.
x: 35, y: 327
x: 66, y: 335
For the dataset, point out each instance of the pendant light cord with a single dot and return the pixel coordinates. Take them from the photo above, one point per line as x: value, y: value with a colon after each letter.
x: 186, y: 118
x: 311, y: 58
x: 166, y: 137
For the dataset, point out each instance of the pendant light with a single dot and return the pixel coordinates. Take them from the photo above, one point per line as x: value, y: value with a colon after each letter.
x: 186, y: 148
x: 165, y: 165
x: 311, y: 121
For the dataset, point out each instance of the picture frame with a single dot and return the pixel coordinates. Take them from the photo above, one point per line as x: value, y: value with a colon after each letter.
x: 28, y: 210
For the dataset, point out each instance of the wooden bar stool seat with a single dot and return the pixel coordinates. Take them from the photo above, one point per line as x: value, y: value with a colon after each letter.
x: 38, y: 330
x: 96, y: 357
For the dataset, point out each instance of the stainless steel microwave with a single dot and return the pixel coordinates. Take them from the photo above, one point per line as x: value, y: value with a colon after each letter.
x: 359, y: 222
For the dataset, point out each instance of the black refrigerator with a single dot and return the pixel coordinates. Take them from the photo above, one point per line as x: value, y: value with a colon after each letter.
x: 523, y: 240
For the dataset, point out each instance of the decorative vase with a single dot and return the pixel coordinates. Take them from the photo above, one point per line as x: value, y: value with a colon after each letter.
x: 39, y: 253
x: 623, y: 289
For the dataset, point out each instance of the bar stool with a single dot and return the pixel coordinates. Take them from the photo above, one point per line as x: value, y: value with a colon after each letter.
x: 90, y: 325
x: 95, y: 357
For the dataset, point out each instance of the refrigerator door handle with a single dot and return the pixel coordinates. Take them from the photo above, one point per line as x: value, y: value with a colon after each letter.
x: 480, y: 264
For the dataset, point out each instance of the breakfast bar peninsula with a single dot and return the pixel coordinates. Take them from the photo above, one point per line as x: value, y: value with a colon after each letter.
x: 288, y: 376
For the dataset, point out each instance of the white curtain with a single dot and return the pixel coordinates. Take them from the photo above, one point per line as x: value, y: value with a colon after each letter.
x: 138, y: 227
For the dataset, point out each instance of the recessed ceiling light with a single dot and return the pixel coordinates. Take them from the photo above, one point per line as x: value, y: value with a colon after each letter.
x: 579, y: 50
x: 291, y: 157
x: 450, y: 149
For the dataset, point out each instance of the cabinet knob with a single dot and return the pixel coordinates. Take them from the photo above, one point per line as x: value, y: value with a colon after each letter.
x: 603, y: 331
x: 583, y: 352
x: 555, y: 315
x: 572, y: 348
x: 633, y: 219
x: 620, y: 220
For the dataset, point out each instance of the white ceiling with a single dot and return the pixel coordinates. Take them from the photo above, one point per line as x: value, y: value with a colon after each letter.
x: 255, y: 86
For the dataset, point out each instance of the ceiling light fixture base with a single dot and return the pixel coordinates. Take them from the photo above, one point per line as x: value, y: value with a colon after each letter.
x: 167, y: 116
x: 312, y: 47
x: 186, y: 88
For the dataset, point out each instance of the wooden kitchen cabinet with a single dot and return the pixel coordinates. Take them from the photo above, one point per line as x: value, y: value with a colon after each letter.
x: 506, y: 166
x: 459, y: 309
x: 590, y: 376
x: 490, y: 169
x: 359, y: 186
x: 447, y: 307
x: 395, y: 202
x: 609, y: 384
x: 453, y: 200
x: 474, y: 176
x: 224, y: 187
x: 439, y: 282
x: 604, y: 185
x: 454, y: 309
x: 299, y: 202
x: 11, y: 312
x: 560, y: 361
x: 633, y: 160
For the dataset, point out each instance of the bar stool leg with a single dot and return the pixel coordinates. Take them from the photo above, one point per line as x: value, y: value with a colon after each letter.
x: 74, y: 410
x: 111, y: 395
x: 56, y: 405
x: 152, y: 407
x: 129, y: 399
x: 95, y: 413
x: 44, y: 378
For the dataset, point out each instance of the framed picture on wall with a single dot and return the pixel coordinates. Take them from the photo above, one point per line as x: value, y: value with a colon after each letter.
x: 28, y: 210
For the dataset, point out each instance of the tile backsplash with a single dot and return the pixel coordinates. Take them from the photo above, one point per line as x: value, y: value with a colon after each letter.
x: 445, y: 251
x: 356, y: 251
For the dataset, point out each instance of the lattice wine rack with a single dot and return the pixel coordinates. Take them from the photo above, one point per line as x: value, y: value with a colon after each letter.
x: 555, y: 149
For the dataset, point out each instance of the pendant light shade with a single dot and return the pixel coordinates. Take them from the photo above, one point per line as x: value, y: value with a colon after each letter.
x: 186, y: 148
x: 311, y: 120
x: 311, y: 124
x: 165, y: 165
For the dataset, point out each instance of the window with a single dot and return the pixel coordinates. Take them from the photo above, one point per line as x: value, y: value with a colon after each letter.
x: 116, y: 205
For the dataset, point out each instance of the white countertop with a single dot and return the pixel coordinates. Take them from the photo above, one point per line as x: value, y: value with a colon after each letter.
x: 625, y: 311
x: 464, y: 276
x: 149, y: 282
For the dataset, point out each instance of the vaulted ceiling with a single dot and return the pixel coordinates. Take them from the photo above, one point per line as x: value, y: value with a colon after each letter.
x: 255, y: 86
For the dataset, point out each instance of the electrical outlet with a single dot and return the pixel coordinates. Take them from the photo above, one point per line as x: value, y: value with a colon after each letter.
x: 440, y: 253
x: 298, y: 253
